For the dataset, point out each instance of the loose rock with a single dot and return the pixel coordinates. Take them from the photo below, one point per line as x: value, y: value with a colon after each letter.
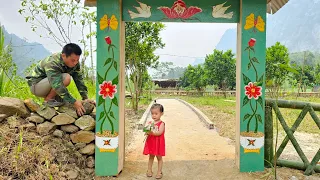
x: 13, y: 106
x: 82, y: 136
x: 90, y: 162
x: 88, y: 150
x: 58, y: 133
x: 32, y: 106
x: 35, y: 118
x: 63, y: 119
x: 86, y: 123
x: 68, y: 109
x: 46, y: 128
x: 88, y: 107
x: 47, y: 112
x: 70, y: 128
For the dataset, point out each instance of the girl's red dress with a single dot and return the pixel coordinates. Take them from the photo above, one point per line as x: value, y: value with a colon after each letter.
x: 155, y: 145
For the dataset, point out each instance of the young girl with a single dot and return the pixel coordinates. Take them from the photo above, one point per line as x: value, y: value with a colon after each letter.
x: 155, y: 143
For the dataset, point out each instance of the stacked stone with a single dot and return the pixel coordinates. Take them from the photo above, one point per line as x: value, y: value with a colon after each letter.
x: 62, y: 122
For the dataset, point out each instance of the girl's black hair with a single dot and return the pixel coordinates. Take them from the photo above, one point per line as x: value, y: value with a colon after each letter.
x: 156, y: 105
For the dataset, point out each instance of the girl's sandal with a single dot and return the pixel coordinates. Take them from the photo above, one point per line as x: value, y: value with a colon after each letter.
x: 159, y: 176
x: 149, y: 174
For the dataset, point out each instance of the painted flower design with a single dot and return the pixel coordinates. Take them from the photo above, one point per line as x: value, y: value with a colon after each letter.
x: 107, y: 89
x: 108, y: 40
x: 253, y: 91
x: 179, y: 10
x: 252, y: 42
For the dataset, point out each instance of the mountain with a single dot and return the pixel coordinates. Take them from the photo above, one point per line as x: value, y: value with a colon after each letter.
x: 24, y: 53
x: 228, y: 41
x: 296, y: 25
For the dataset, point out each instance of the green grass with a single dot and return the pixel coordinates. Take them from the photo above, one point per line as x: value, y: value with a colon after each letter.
x: 20, y: 89
x: 290, y: 115
x: 72, y: 88
x: 217, y: 102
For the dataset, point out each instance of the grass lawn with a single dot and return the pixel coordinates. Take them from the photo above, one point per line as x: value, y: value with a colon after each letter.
x: 211, y: 105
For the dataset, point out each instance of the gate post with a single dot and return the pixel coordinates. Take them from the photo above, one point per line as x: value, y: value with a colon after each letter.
x: 109, y: 136
x: 251, y: 52
x: 268, y: 154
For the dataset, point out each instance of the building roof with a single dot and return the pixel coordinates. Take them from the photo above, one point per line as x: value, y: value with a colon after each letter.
x: 272, y: 5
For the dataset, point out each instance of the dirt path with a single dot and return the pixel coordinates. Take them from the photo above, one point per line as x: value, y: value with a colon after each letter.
x: 192, y: 151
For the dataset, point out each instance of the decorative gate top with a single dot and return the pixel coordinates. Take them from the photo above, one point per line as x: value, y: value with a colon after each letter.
x: 251, y: 18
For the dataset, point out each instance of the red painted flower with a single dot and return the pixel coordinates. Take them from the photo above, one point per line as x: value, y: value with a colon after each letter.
x: 253, y: 91
x: 107, y: 89
x: 180, y: 10
x: 252, y: 42
x: 108, y: 40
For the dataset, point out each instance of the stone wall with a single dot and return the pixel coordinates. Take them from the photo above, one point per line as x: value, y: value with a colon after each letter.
x: 63, y: 122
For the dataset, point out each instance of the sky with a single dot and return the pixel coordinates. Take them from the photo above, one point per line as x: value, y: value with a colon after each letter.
x: 185, y: 42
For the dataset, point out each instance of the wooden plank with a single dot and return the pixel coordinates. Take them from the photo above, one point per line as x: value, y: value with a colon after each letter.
x: 312, y: 166
x: 294, y: 104
x: 238, y: 87
x: 295, y: 165
x: 182, y: 11
x: 122, y: 85
x: 268, y: 153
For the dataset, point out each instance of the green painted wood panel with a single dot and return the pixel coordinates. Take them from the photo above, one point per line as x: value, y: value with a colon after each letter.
x: 107, y: 115
x: 220, y: 11
x: 253, y: 52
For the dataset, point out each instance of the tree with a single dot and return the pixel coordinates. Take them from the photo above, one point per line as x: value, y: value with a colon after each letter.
x: 176, y: 72
x: 142, y: 39
x: 305, y: 77
x: 163, y: 69
x: 60, y: 19
x: 277, y: 67
x: 220, y: 69
x: 193, y: 77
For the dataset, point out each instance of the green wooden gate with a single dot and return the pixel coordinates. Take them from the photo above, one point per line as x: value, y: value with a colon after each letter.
x: 309, y: 167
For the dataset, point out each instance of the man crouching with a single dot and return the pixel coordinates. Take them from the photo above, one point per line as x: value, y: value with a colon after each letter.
x: 51, y: 76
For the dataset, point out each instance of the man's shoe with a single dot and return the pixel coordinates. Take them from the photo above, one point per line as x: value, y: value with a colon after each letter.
x: 53, y: 103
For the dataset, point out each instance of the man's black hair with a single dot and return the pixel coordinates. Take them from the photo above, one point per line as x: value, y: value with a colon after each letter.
x: 71, y: 48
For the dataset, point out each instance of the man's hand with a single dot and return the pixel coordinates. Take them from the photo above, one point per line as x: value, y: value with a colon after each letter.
x: 79, y: 107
